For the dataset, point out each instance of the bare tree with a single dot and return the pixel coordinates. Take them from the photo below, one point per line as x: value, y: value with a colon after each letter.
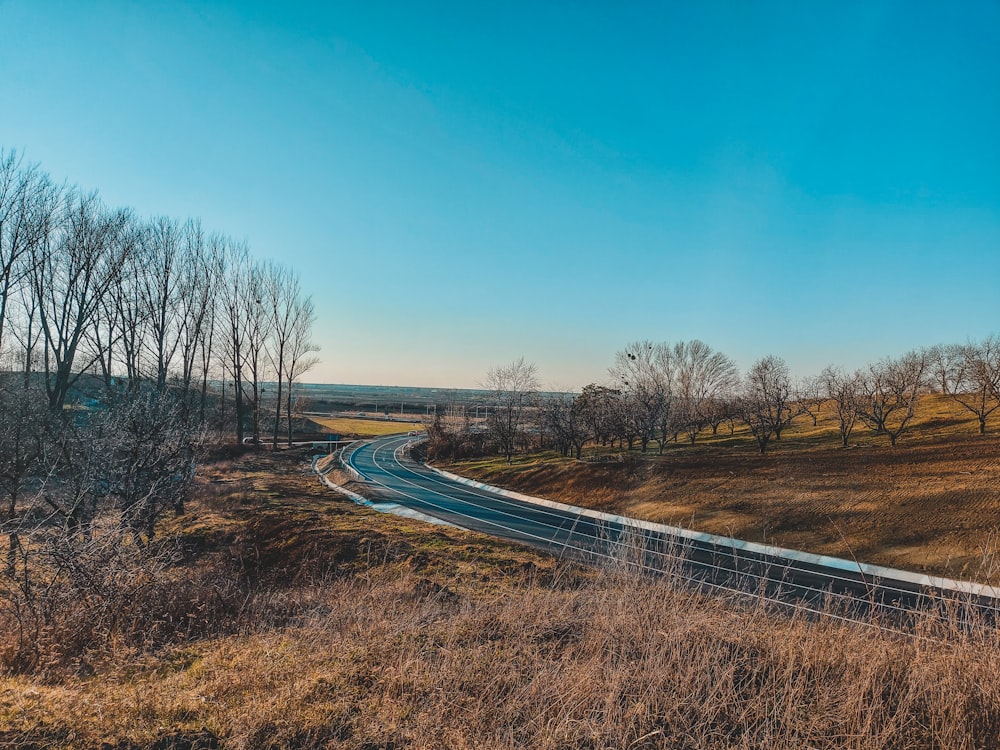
x: 70, y: 275
x: 233, y: 294
x: 704, y: 377
x: 721, y: 409
x: 598, y: 405
x: 299, y: 357
x: 26, y: 201
x: 117, y: 338
x: 563, y: 416
x: 27, y: 334
x: 890, y: 389
x: 131, y: 461
x: 512, y: 387
x: 148, y: 454
x: 665, y: 372
x: 282, y: 293
x: 971, y: 377
x: 642, y: 372
x: 212, y: 325
x: 809, y: 397
x: 257, y: 331
x: 765, y: 401
x: 126, y: 316
x: 159, y: 291
x: 197, y: 296
x: 554, y: 420
x: 942, y: 362
x: 844, y: 390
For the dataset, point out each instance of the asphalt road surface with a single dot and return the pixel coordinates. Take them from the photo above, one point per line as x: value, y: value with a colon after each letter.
x: 706, y: 561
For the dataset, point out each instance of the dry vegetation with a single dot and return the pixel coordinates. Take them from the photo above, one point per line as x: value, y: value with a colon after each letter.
x: 930, y: 504
x: 296, y: 619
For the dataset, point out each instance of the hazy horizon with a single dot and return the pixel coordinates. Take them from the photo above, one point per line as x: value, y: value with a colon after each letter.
x: 461, y: 185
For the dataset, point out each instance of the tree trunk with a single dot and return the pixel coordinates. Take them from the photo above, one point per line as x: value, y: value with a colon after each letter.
x: 13, y: 545
x: 277, y: 415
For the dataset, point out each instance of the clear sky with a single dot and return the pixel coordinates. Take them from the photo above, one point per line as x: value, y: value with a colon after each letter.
x: 460, y: 184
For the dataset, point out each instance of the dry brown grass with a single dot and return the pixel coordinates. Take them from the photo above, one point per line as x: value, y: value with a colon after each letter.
x: 931, y: 504
x: 367, y: 631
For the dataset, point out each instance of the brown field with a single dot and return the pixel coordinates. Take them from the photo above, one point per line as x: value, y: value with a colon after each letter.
x: 931, y: 504
x: 364, y: 427
x: 294, y: 619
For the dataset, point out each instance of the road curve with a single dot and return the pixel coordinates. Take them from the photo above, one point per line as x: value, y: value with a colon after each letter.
x: 708, y: 561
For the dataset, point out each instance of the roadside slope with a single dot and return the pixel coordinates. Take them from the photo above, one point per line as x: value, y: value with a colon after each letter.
x: 932, y: 507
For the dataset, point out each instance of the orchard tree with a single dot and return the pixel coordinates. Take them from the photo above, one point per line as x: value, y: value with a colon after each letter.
x: 647, y: 388
x: 598, y: 406
x: 765, y: 402
x: 972, y: 377
x: 943, y: 362
x: 704, y: 378
x: 563, y: 415
x: 512, y: 388
x: 810, y: 397
x: 843, y: 389
x: 890, y: 389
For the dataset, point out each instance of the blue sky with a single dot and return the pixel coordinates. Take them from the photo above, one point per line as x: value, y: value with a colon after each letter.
x: 461, y: 184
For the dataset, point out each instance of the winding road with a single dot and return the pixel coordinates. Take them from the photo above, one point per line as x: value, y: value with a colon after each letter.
x: 814, y: 582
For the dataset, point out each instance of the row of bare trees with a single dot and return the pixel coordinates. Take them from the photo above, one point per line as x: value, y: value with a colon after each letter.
x: 694, y: 388
x: 883, y: 395
x: 659, y: 393
x: 87, y: 291
x: 122, y: 340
